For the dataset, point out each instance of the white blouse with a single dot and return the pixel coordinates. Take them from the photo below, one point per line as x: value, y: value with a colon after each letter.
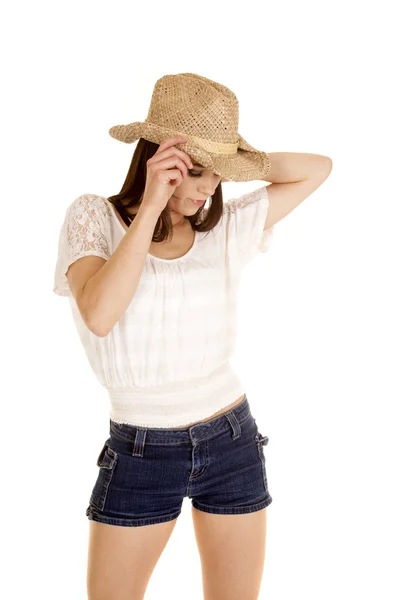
x: 165, y: 363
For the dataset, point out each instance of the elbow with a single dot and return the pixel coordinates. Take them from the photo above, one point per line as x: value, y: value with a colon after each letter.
x: 90, y: 316
x: 100, y: 332
x: 93, y: 321
x: 96, y: 327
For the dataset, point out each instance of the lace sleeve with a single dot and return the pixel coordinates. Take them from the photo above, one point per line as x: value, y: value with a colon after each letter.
x: 244, y: 222
x: 84, y: 232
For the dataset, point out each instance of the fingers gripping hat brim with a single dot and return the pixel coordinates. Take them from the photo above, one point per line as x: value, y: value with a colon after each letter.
x: 246, y: 164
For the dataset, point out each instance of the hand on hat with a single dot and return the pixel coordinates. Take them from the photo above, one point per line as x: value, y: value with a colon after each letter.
x: 166, y: 170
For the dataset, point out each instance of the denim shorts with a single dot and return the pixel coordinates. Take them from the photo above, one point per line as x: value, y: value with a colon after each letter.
x: 145, y: 473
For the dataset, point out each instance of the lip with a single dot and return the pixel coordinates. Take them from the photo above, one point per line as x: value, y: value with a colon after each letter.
x: 197, y: 202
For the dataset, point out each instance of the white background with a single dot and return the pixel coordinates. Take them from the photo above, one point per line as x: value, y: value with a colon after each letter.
x: 318, y: 344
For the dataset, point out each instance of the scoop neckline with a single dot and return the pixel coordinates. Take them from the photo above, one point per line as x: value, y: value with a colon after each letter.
x: 149, y: 255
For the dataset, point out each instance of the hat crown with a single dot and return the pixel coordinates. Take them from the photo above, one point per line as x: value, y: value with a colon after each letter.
x: 196, y: 106
x: 205, y: 111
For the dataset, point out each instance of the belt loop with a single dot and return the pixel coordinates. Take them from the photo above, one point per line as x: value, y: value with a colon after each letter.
x: 234, y: 423
x: 138, y: 446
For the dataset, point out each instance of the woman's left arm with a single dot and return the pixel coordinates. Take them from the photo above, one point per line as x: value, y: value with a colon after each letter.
x: 289, y: 167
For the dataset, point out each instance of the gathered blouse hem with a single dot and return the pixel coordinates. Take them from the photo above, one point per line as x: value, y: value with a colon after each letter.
x: 177, y: 405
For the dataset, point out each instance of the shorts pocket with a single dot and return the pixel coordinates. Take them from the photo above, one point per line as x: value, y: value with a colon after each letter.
x: 261, y: 442
x: 106, y: 462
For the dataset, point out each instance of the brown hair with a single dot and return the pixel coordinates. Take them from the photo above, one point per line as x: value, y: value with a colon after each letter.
x: 132, y: 191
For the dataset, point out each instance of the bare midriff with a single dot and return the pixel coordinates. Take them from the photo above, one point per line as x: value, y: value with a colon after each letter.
x: 220, y: 412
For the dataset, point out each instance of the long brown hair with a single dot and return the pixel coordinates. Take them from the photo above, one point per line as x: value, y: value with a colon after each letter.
x: 132, y: 191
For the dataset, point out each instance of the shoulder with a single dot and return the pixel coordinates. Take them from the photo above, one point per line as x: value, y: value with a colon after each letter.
x: 90, y: 205
x: 257, y: 196
x: 91, y: 201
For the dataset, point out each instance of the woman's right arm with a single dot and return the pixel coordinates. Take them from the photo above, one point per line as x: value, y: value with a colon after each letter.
x: 107, y: 294
x: 103, y: 297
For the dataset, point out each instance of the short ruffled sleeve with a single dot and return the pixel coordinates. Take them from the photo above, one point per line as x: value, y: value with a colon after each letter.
x: 84, y: 232
x: 244, y: 219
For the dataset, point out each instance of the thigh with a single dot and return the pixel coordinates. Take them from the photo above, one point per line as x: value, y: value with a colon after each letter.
x: 122, y: 559
x: 232, y: 552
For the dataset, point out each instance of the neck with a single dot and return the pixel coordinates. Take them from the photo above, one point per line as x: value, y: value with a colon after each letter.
x: 181, y: 221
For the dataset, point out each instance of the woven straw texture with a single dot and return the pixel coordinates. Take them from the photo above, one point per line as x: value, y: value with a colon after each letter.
x: 207, y: 113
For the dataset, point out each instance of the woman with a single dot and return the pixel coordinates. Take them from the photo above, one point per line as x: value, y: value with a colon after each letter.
x: 151, y: 275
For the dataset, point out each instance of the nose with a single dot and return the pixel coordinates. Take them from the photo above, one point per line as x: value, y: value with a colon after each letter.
x: 209, y: 190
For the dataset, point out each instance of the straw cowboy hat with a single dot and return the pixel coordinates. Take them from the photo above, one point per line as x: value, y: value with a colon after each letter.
x: 207, y: 113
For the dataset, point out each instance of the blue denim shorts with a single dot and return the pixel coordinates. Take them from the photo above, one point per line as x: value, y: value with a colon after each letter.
x: 145, y: 473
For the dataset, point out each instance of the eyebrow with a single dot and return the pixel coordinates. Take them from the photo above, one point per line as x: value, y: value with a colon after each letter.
x: 195, y: 164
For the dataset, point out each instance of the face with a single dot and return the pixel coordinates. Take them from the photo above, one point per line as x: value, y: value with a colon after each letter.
x: 199, y: 184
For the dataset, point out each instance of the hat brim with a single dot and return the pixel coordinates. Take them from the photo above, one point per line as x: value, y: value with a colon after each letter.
x: 247, y: 164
